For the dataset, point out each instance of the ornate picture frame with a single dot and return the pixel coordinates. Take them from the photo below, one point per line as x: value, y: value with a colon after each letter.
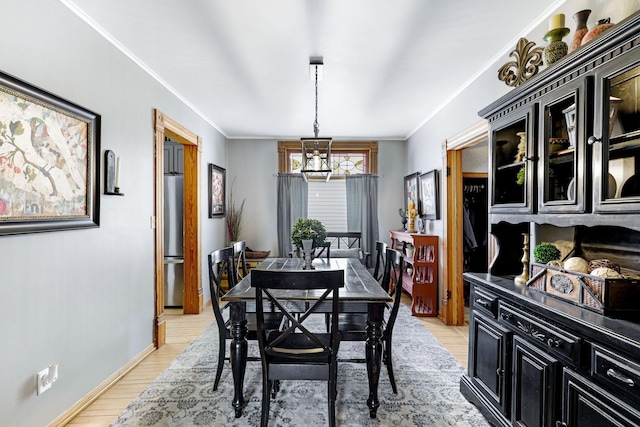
x: 411, y: 191
x: 217, y: 191
x: 430, y: 195
x: 49, y: 161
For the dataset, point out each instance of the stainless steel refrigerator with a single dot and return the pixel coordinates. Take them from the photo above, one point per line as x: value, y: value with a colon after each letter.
x: 173, y: 241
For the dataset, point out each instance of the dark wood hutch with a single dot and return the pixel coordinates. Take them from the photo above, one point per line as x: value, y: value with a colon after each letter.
x: 537, y: 360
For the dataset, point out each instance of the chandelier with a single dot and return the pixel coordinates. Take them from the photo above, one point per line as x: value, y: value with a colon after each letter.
x: 316, y: 152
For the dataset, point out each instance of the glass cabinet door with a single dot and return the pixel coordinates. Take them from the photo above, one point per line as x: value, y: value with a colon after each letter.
x: 561, y: 148
x: 616, y: 138
x: 512, y: 159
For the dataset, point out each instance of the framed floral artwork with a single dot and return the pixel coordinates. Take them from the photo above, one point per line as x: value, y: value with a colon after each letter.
x: 411, y: 190
x: 49, y: 161
x: 217, y: 178
x: 429, y: 195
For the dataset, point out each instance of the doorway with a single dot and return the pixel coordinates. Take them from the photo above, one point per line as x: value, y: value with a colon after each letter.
x: 193, y: 293
x: 452, y: 297
x: 475, y: 224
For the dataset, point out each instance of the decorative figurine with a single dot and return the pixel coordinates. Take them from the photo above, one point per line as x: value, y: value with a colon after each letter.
x: 404, y: 219
x: 411, y: 214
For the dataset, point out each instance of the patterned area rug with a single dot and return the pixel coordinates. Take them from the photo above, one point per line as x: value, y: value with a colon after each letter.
x: 426, y: 374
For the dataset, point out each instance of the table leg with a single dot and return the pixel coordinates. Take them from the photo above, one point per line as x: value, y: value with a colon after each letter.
x: 238, y: 353
x: 373, y: 354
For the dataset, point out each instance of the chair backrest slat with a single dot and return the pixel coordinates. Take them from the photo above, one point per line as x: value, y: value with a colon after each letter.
x: 381, y: 249
x: 394, y: 266
x: 221, y: 261
x: 239, y: 251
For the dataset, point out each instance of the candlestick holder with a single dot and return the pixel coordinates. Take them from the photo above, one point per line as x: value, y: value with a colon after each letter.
x: 522, y: 278
x: 111, y: 175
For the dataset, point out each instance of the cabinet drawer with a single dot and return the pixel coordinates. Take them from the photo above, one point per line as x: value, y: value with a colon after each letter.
x: 485, y: 302
x: 587, y: 404
x: 559, y: 342
x: 616, y: 371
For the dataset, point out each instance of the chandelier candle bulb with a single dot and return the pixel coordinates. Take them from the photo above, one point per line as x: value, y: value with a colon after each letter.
x: 556, y: 21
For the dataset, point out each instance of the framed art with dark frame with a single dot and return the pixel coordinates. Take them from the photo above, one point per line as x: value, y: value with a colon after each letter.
x: 217, y: 190
x: 429, y: 195
x: 411, y: 190
x: 49, y: 161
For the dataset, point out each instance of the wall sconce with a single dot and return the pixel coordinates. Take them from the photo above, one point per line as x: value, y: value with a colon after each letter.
x: 112, y: 174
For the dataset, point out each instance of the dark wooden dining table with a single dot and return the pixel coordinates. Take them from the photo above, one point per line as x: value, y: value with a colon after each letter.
x: 361, y: 294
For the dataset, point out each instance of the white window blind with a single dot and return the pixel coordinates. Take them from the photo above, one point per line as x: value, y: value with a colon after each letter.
x: 328, y: 203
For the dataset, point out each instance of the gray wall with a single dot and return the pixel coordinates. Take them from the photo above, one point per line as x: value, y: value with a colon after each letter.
x: 254, y: 165
x: 85, y: 298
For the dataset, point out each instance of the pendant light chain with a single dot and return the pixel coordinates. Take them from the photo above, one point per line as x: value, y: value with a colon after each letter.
x: 316, y: 126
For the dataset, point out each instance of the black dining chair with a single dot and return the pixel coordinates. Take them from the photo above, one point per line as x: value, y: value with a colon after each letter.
x: 240, y: 254
x: 296, y: 352
x: 221, y: 263
x: 353, y: 325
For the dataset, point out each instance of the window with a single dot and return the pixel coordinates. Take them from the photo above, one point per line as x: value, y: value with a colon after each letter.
x: 346, y: 157
x: 327, y: 201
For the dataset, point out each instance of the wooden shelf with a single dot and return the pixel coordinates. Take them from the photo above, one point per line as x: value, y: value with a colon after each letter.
x: 421, y: 279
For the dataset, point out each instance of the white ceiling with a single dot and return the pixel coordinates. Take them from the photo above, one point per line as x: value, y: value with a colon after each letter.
x: 243, y: 65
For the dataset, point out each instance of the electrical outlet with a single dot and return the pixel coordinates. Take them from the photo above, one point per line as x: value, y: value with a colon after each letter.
x: 46, y: 378
x: 43, y: 384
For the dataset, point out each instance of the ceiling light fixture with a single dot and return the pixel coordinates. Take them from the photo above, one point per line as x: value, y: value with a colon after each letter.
x: 316, y: 152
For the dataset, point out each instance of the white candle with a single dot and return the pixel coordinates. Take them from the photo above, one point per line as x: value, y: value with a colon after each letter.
x: 556, y: 21
x: 117, y: 171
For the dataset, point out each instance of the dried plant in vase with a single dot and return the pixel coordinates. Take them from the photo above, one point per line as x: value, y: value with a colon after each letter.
x: 234, y: 217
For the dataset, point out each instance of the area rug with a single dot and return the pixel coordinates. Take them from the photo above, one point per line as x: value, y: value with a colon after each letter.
x: 426, y: 374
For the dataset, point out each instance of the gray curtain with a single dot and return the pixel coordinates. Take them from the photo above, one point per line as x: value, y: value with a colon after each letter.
x: 292, y: 205
x: 362, y: 208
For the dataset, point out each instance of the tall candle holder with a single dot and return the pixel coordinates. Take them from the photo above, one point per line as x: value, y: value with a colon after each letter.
x: 112, y: 174
x: 524, y: 276
x: 556, y: 48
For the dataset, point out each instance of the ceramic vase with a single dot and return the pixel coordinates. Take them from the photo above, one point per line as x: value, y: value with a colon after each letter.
x: 580, y: 19
x: 307, y: 253
x: 603, y: 25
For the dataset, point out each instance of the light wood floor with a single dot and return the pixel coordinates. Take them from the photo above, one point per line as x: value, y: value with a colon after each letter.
x: 182, y: 330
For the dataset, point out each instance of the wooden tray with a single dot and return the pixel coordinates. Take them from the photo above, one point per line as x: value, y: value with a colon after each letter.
x: 611, y: 297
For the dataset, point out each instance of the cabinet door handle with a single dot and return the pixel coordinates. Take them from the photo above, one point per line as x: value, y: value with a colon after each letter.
x: 553, y: 343
x: 618, y: 376
x: 500, y: 372
x: 484, y: 303
x: 506, y: 316
x: 593, y: 139
x: 561, y: 424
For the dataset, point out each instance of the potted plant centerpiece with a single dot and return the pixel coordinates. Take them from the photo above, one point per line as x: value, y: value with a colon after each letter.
x: 307, y: 229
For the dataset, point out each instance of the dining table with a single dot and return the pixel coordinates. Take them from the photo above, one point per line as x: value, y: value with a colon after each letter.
x: 361, y: 294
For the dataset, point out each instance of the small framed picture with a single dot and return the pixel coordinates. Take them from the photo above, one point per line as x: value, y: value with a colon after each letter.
x: 411, y: 190
x: 217, y: 178
x: 429, y: 195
